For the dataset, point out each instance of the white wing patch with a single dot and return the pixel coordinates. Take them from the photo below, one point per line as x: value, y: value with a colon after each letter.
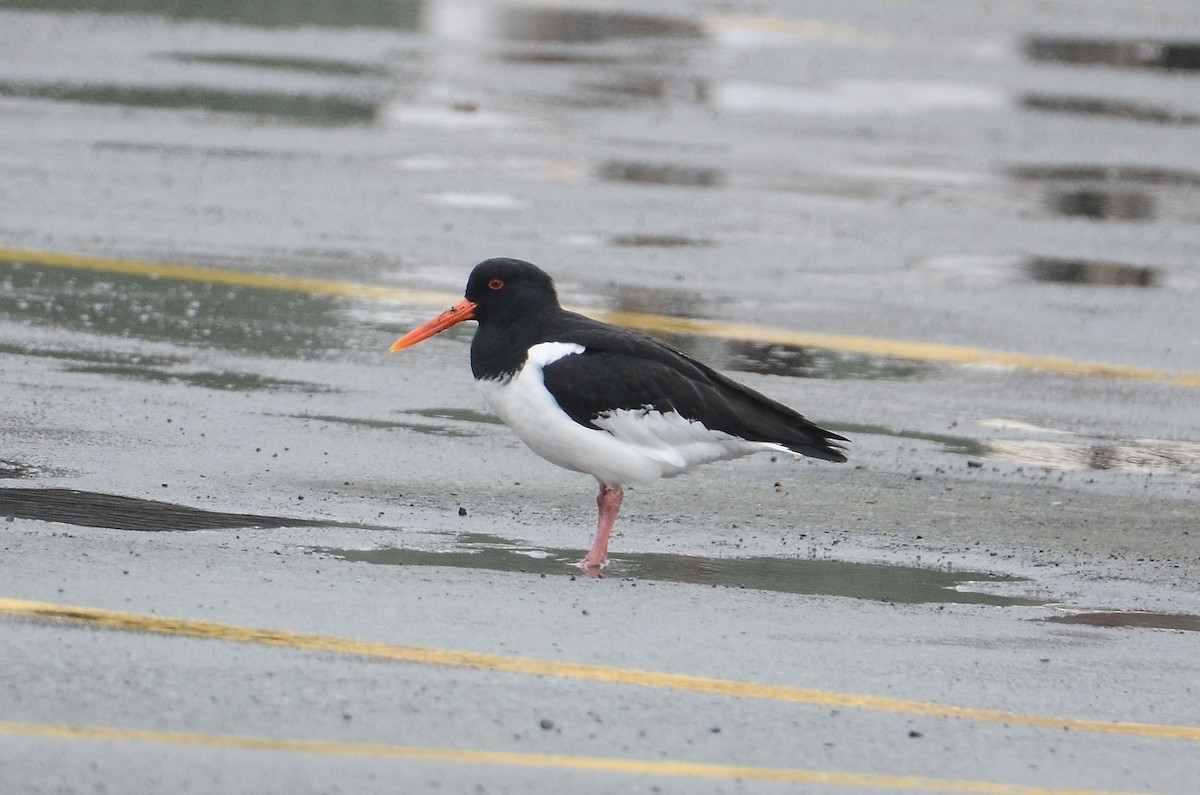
x: 632, y: 447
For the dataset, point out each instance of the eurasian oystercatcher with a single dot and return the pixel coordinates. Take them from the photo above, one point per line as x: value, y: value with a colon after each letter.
x: 614, y: 403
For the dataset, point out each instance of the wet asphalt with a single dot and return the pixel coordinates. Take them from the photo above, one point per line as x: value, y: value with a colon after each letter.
x: 1018, y: 535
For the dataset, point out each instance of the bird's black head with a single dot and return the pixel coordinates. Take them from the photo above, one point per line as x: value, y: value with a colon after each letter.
x: 510, y: 299
x: 503, y: 289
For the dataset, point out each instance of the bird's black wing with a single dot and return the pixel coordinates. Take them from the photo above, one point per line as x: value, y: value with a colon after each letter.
x: 621, y: 369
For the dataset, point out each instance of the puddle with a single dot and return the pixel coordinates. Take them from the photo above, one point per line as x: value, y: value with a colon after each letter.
x: 226, y: 381
x: 243, y: 320
x: 458, y: 415
x: 1137, y: 456
x: 632, y: 90
x: 1067, y: 271
x: 767, y: 358
x: 645, y: 173
x: 1140, y: 175
x: 1123, y: 618
x: 824, y: 577
x: 13, y: 470
x: 161, y: 370
x: 656, y: 241
x: 319, y: 66
x: 93, y: 509
x: 1122, y: 53
x: 298, y: 108
x: 99, y: 358
x: 962, y: 445
x: 1100, y: 106
x: 1113, y: 193
x: 433, y: 430
x: 393, y: 14
x: 550, y: 23
x: 1102, y: 204
x: 1006, y: 268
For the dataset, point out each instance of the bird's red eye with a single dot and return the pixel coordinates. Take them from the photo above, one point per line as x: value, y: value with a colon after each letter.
x: 496, y: 284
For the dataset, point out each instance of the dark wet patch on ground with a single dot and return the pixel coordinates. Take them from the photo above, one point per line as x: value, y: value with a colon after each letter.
x: 241, y: 319
x: 162, y: 370
x: 656, y: 241
x: 98, y: 358
x: 1102, y: 106
x: 1004, y: 268
x: 227, y: 381
x: 321, y: 66
x: 1069, y: 271
x: 1144, y: 456
x: 1120, y: 53
x: 1130, y: 618
x: 94, y: 509
x: 363, y: 422
x: 458, y: 415
x: 1112, y: 192
x: 297, y: 108
x: 13, y: 470
x: 791, y: 361
x: 963, y: 445
x: 580, y: 25
x: 788, y: 360
x: 784, y: 575
x: 646, y: 173
x: 277, y: 13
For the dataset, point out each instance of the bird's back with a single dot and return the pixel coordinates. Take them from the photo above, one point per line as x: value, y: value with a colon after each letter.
x: 623, y: 370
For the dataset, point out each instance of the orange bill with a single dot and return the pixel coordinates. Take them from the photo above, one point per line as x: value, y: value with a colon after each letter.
x: 463, y: 310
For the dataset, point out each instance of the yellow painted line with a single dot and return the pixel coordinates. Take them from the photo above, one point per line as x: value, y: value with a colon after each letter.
x: 903, y: 349
x: 849, y: 343
x: 591, y: 764
x: 113, y: 619
x: 812, y: 28
x: 235, y: 278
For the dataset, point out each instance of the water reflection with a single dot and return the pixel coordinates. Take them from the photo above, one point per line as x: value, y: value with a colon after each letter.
x: 1148, y: 176
x: 1138, y: 456
x: 1004, y: 268
x: 226, y: 380
x: 394, y: 14
x: 656, y: 241
x: 659, y: 174
x: 364, y: 422
x: 489, y: 21
x: 1179, y: 622
x: 16, y: 469
x: 790, y: 361
x: 784, y: 575
x: 1103, y: 205
x: 1118, y: 193
x: 962, y: 445
x: 271, y: 322
x: 1123, y: 53
x: 298, y: 108
x: 1141, y: 456
x: 94, y: 509
x: 1068, y: 271
x: 1102, y: 106
x: 291, y: 63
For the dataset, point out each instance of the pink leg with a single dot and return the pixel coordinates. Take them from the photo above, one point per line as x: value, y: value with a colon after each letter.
x: 609, y: 502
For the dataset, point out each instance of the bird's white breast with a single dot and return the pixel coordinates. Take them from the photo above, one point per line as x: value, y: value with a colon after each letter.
x: 632, y: 446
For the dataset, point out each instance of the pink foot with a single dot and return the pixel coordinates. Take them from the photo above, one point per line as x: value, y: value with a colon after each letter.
x: 609, y: 502
x: 592, y: 568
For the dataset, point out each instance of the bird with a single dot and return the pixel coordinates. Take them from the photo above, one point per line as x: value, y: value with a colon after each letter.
x: 608, y: 401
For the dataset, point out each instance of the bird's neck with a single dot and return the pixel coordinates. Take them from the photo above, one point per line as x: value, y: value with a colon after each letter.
x: 500, y: 349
